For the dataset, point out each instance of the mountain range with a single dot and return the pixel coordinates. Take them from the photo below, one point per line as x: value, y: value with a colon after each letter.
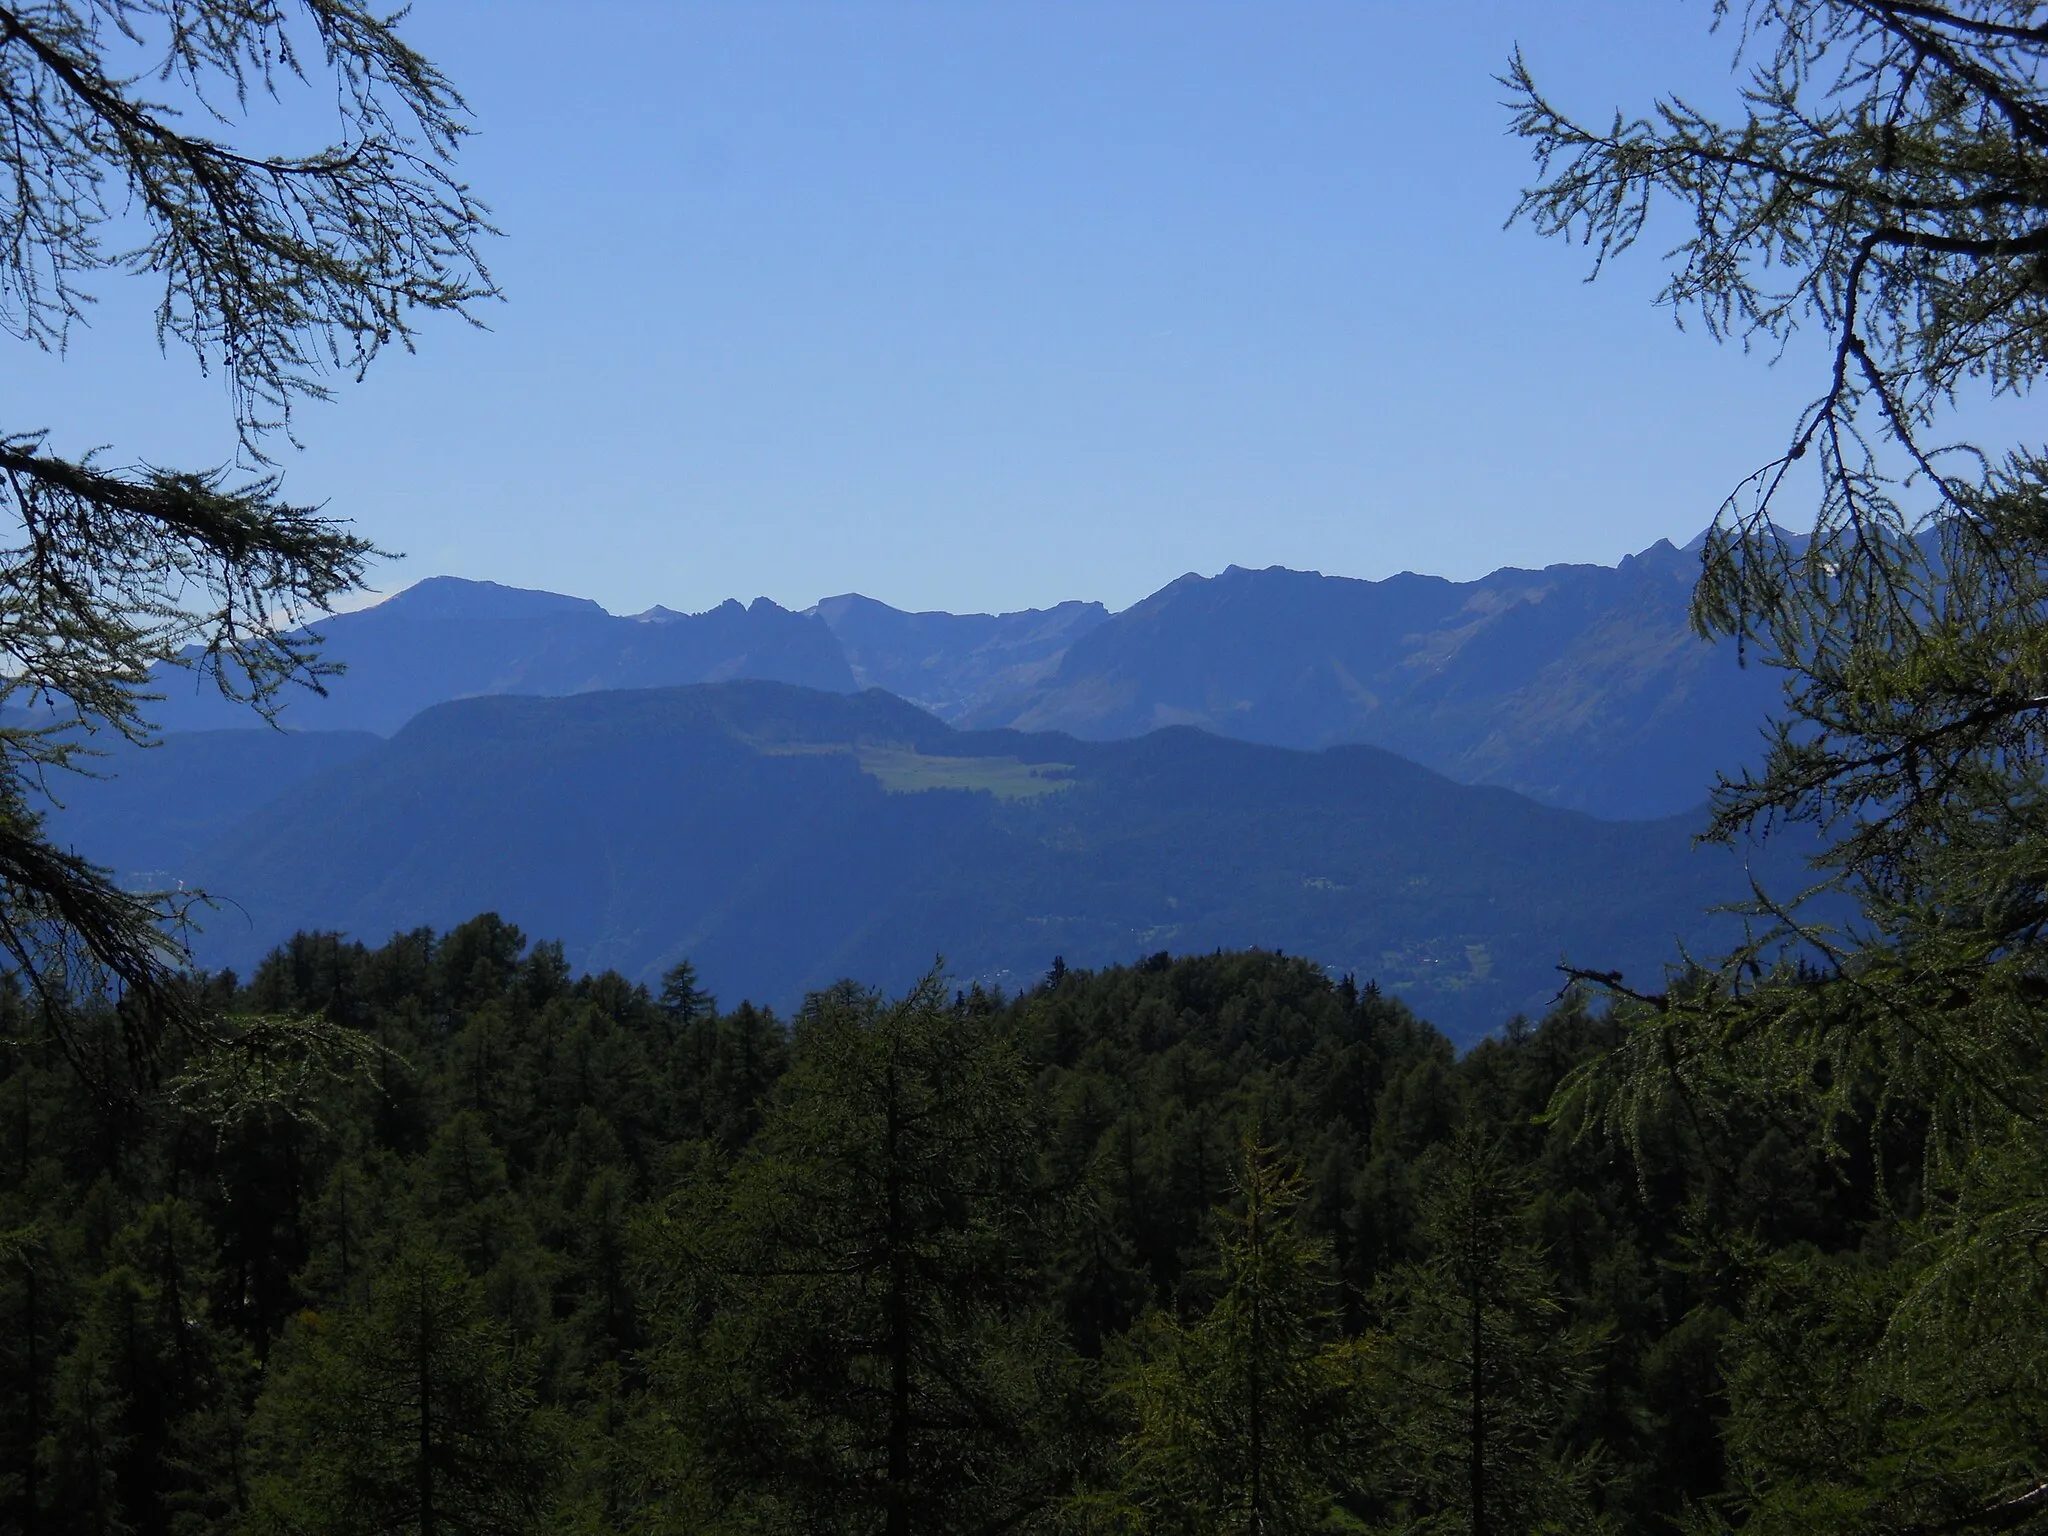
x: 1443, y: 787
x: 1582, y: 686
x: 446, y: 638
x: 782, y: 837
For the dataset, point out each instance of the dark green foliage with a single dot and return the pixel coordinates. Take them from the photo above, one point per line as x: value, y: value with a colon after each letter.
x: 1245, y: 1420
x: 952, y: 1262
x: 1881, y: 182
x: 854, y: 1336
x: 412, y: 1411
x: 1478, y: 1363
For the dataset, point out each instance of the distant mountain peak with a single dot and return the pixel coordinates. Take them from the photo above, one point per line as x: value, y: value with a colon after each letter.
x: 1264, y: 570
x: 1581, y: 684
x: 456, y: 597
x: 1666, y: 556
x: 445, y: 638
x: 953, y: 663
x: 732, y: 607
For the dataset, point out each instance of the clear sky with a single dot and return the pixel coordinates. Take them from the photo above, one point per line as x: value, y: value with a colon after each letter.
x: 983, y: 304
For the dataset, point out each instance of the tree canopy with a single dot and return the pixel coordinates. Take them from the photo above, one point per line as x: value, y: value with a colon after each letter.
x: 1195, y: 1246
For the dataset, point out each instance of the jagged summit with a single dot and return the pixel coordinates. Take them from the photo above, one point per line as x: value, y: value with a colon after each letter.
x: 954, y: 663
x: 445, y: 638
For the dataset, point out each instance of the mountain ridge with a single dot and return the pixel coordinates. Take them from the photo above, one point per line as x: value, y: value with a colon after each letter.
x: 447, y: 638
x: 782, y: 837
x: 1580, y: 685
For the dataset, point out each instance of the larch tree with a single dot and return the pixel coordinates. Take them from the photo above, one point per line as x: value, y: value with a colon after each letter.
x: 415, y: 1412
x: 1478, y: 1363
x: 852, y: 1335
x: 1246, y: 1419
x: 1882, y: 182
x: 130, y: 155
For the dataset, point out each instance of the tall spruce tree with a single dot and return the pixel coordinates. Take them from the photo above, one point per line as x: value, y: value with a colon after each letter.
x: 412, y: 1413
x: 1477, y: 1365
x: 145, y: 1416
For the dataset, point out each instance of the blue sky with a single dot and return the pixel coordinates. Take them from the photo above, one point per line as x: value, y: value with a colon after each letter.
x: 982, y: 304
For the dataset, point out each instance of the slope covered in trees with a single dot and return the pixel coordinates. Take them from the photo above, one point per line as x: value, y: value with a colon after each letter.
x: 784, y: 838
x: 1200, y: 1244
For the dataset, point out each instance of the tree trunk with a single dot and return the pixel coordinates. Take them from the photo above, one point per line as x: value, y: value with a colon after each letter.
x: 1477, y: 1448
x: 425, y: 1472
x: 1256, y: 1417
x: 899, y: 1327
x: 30, y: 1490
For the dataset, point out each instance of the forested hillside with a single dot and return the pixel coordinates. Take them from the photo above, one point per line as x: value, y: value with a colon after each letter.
x: 1189, y: 1243
x: 784, y: 838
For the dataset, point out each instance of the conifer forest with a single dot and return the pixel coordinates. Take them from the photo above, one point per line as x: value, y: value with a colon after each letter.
x: 1209, y: 1243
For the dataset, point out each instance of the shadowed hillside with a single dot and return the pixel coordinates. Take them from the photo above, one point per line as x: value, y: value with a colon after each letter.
x: 783, y: 838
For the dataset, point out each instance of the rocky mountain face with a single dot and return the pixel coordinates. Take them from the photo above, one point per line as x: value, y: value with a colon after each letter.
x: 956, y: 665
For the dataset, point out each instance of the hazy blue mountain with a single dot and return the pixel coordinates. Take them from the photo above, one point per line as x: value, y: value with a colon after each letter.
x: 447, y: 639
x: 955, y: 664
x: 783, y: 837
x: 1580, y: 685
